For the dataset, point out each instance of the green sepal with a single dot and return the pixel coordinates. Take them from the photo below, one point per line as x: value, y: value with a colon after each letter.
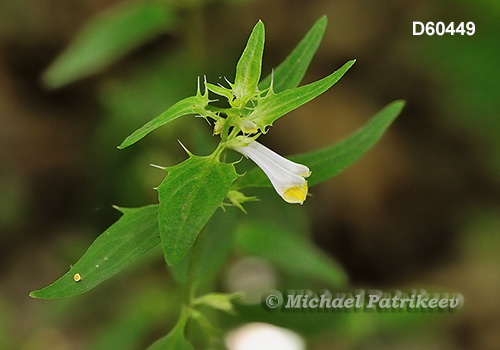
x: 219, y: 90
x: 236, y: 199
x: 275, y: 105
x: 249, y: 68
x: 190, y: 105
x: 219, y: 301
x: 132, y: 236
x: 327, y: 162
x: 189, y: 196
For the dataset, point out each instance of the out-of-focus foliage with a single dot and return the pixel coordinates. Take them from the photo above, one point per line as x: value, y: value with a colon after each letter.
x: 465, y: 65
x: 107, y: 38
x: 420, y: 211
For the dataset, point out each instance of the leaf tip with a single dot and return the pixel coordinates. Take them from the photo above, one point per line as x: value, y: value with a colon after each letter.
x: 260, y: 26
x: 398, y: 105
x: 39, y: 294
x: 125, y: 143
x: 48, y: 82
x: 159, y: 167
x: 52, y: 78
x: 401, y: 103
x: 173, y: 259
x: 185, y: 149
x: 120, y: 209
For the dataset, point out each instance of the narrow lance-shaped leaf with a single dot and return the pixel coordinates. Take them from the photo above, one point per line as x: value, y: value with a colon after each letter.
x: 330, y: 161
x: 274, y: 106
x: 189, y: 105
x: 132, y: 236
x: 296, y: 254
x: 189, y: 196
x: 249, y: 66
x: 108, y: 37
x: 290, y: 72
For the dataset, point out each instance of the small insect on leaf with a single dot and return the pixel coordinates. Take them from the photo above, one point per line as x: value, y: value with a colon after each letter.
x: 77, y: 277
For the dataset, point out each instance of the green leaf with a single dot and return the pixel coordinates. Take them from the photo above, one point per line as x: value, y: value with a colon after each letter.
x: 290, y: 72
x: 108, y: 37
x: 132, y: 236
x: 330, y: 161
x: 214, y: 245
x: 292, y: 253
x: 327, y: 162
x: 189, y: 196
x: 274, y: 106
x: 175, y: 339
x: 190, y: 105
x: 249, y: 66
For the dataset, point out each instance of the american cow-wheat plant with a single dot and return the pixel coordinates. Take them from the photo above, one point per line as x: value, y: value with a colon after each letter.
x: 195, y: 189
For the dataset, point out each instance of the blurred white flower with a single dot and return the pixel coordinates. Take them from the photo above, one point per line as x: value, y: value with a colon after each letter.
x: 263, y: 336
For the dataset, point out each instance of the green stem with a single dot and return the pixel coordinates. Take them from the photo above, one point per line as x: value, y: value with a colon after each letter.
x: 226, y: 136
x: 233, y: 133
x: 190, y: 285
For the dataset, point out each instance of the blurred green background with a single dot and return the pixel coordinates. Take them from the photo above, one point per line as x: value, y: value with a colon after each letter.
x: 419, y: 210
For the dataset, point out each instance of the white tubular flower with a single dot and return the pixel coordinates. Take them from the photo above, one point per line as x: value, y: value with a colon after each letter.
x: 287, y: 177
